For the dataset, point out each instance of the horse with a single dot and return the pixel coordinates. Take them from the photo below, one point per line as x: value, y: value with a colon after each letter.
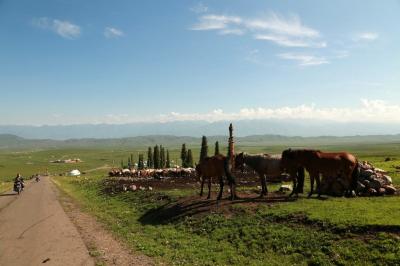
x: 266, y: 166
x: 342, y: 166
x: 215, y: 166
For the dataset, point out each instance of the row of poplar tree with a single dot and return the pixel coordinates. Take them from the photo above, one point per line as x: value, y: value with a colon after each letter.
x: 158, y: 157
x: 187, y: 158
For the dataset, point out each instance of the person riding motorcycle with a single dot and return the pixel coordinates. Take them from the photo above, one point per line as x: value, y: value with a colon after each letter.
x: 20, y: 179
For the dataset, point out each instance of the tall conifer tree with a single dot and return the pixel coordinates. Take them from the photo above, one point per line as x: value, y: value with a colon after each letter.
x: 184, y: 155
x: 189, y: 159
x: 150, y: 158
x: 168, y: 162
x: 216, y: 148
x: 204, y: 148
x: 156, y: 157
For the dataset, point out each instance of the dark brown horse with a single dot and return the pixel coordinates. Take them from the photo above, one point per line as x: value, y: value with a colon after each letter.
x: 215, y: 167
x: 340, y: 165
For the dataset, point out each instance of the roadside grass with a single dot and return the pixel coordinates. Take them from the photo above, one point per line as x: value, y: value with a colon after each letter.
x: 335, y: 231
x: 5, y: 186
x: 266, y: 236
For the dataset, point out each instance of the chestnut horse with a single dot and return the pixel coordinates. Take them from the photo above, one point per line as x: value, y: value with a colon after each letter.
x: 267, y: 166
x: 340, y: 165
x: 215, y: 166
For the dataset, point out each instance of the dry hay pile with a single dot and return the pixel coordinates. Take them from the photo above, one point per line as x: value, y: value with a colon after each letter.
x: 374, y: 181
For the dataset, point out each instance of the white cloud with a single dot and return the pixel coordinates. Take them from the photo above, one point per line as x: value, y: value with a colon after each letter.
x: 63, y: 28
x: 289, y: 42
x: 216, y: 22
x: 110, y: 32
x: 199, y: 8
x: 291, y: 26
x: 341, y: 54
x: 284, y: 31
x: 231, y: 32
x: 369, y: 111
x: 304, y: 59
x: 366, y: 36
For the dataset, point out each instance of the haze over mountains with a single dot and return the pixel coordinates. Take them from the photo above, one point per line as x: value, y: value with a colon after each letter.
x: 173, y: 134
x: 304, y: 128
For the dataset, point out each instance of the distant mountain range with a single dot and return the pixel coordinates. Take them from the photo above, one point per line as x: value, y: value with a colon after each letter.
x: 305, y: 128
x: 12, y: 142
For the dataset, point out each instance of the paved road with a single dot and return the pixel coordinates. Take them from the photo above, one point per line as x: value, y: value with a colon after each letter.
x: 34, y: 229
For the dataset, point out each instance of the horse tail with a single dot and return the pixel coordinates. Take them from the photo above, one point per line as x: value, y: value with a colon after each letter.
x: 354, y: 176
x: 300, y: 180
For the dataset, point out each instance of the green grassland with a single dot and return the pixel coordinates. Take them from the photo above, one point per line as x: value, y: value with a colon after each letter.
x: 334, y: 231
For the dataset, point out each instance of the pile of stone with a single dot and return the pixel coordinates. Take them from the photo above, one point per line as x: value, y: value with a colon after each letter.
x: 133, y: 187
x: 374, y: 181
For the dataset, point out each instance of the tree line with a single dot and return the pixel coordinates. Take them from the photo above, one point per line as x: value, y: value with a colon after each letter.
x: 158, y: 157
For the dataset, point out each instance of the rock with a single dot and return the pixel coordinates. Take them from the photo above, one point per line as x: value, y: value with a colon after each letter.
x: 285, y: 188
x: 365, y: 174
x: 337, y: 189
x: 360, y: 186
x: 375, y: 184
x: 372, y: 177
x: 387, y: 180
x: 372, y: 192
x: 142, y: 188
x: 381, y: 191
x: 390, y: 190
x: 366, y: 183
x: 133, y: 187
x: 379, y: 170
x: 150, y: 188
x: 124, y: 188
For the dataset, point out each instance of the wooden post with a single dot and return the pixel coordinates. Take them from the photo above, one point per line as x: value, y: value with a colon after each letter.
x: 231, y: 147
x: 231, y: 164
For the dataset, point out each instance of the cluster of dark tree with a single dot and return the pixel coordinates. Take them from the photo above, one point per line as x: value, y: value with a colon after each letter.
x: 186, y: 157
x: 158, y: 157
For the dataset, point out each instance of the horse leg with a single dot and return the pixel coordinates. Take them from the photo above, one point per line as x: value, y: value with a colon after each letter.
x: 294, y: 188
x: 262, y: 181
x: 221, y: 187
x: 209, y: 188
x: 312, y: 185
x: 265, y: 186
x: 232, y: 184
x: 202, y: 185
x: 317, y: 179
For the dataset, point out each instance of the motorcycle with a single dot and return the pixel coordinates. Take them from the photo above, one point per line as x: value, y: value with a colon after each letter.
x: 18, y: 186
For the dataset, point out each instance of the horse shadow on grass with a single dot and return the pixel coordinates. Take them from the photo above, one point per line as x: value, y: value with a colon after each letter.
x: 196, y: 206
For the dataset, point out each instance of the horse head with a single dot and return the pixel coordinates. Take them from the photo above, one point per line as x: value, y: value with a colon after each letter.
x: 239, y: 161
x: 288, y: 160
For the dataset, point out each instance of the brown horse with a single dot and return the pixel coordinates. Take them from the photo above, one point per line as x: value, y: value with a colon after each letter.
x: 340, y: 165
x: 267, y: 166
x: 215, y: 166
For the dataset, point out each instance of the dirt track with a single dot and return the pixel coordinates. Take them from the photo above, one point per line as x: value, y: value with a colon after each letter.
x: 34, y: 229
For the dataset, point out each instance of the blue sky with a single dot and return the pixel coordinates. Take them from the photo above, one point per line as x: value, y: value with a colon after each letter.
x: 71, y: 62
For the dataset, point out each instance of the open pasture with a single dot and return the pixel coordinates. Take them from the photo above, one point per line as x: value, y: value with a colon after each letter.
x: 175, y: 226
